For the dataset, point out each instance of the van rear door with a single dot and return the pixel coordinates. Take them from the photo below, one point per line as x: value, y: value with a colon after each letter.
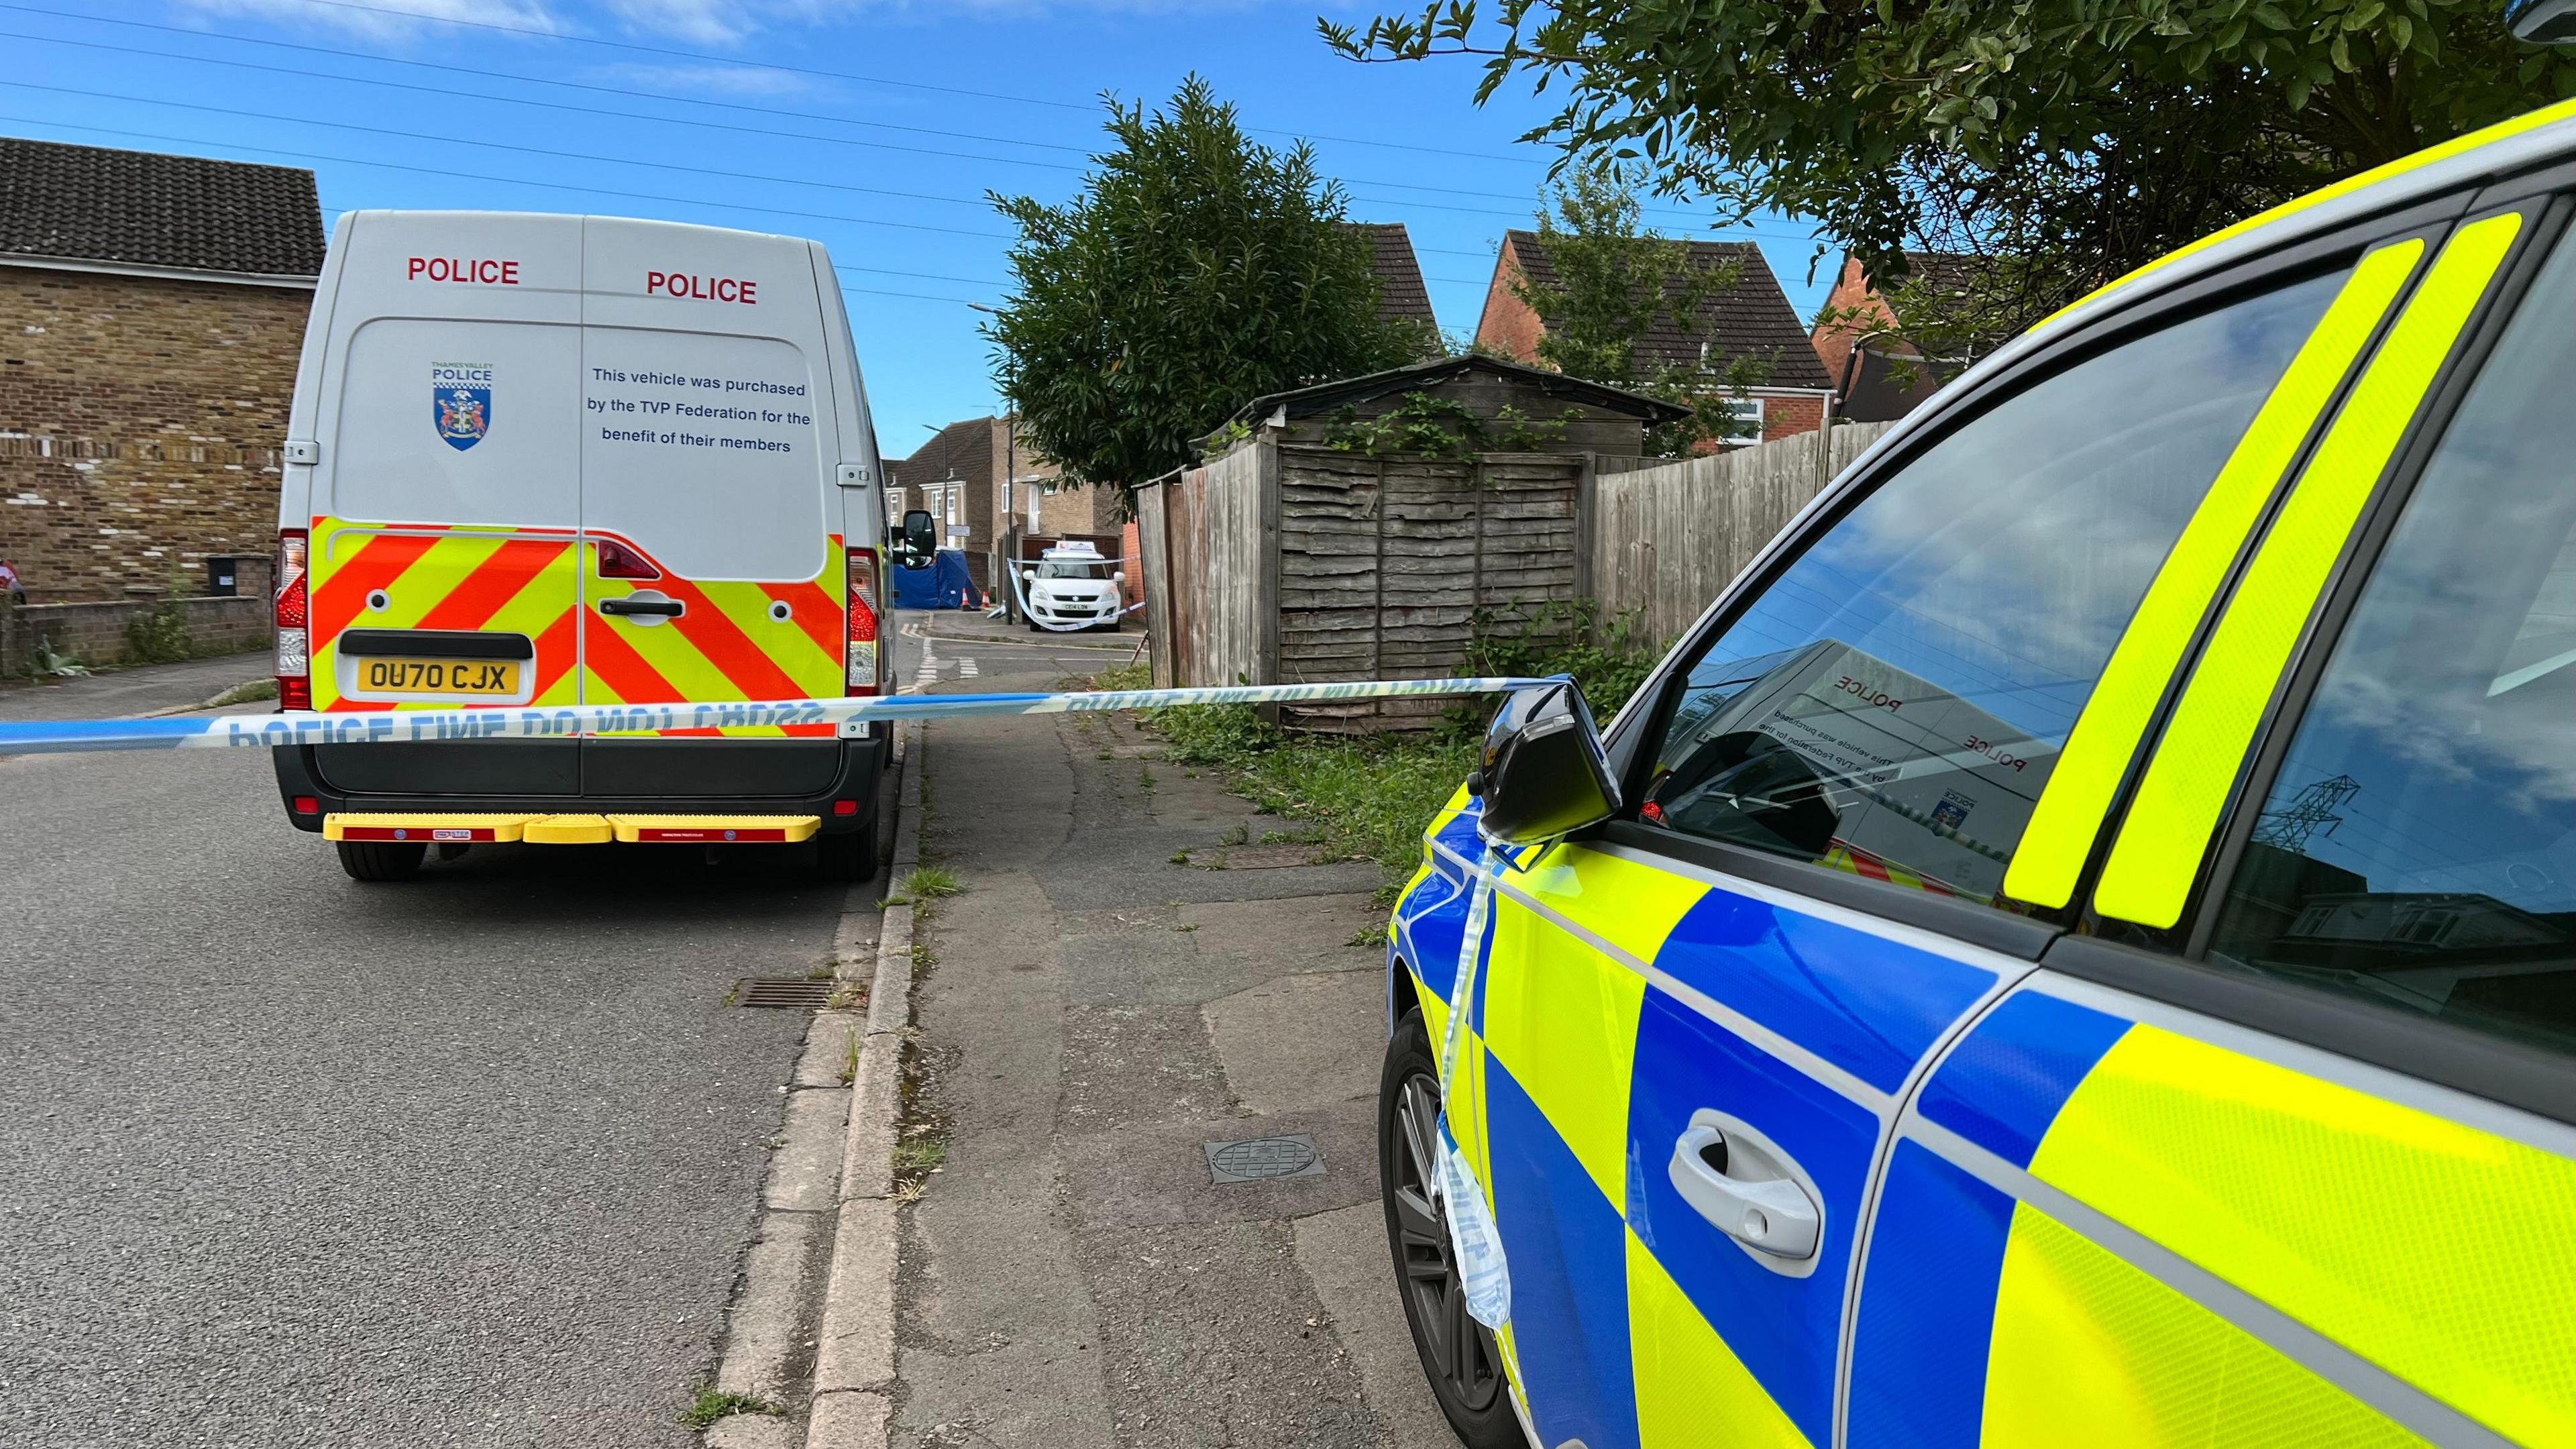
x: 712, y: 571
x: 444, y: 564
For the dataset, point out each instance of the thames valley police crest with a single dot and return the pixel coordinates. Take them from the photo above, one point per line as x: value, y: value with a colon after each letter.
x: 460, y: 402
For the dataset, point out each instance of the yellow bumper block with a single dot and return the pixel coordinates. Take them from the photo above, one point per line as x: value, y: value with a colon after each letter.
x: 568, y: 830
x: 460, y: 829
x: 714, y: 829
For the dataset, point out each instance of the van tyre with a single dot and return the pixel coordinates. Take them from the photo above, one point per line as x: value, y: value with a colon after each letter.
x: 1458, y: 1353
x: 381, y: 860
x: 850, y: 856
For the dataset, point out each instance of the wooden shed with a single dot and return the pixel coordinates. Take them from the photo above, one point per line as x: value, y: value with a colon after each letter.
x: 1356, y: 530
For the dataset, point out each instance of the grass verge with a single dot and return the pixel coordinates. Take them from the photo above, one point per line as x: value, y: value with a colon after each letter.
x: 1367, y: 797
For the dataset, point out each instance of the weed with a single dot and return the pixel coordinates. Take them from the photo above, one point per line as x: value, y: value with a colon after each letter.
x: 160, y: 634
x: 713, y: 1403
x: 1145, y: 776
x: 245, y: 693
x: 852, y: 997
x: 1237, y: 836
x: 849, y: 1071
x: 1187, y: 926
x: 1373, y: 936
x: 1291, y: 837
x: 1180, y: 857
x: 1108, y: 754
x: 818, y: 973
x: 57, y: 664
x: 930, y: 883
x: 922, y: 959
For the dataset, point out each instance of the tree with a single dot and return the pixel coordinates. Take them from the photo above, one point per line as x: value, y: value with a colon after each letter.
x: 2063, y: 142
x: 1613, y: 277
x: 1194, y: 272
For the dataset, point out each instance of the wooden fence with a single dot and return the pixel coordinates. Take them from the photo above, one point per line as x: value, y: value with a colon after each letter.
x: 1668, y: 537
x: 1287, y: 561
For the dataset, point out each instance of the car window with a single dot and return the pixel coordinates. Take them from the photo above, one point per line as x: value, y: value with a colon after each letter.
x: 1893, y: 702
x: 2419, y: 844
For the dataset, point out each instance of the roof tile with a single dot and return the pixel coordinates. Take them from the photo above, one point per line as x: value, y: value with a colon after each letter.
x: 141, y: 208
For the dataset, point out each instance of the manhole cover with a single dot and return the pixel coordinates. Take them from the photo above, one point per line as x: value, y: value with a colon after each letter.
x: 1264, y: 1158
x: 783, y: 993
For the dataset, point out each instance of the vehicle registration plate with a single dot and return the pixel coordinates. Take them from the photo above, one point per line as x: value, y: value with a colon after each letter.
x: 440, y: 676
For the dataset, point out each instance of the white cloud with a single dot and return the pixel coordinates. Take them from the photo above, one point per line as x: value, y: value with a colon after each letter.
x: 729, y: 80
x: 386, y: 19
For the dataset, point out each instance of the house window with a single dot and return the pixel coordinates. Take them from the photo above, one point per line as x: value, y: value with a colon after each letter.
x: 1747, y: 427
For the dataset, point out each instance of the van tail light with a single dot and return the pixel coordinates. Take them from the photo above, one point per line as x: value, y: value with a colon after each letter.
x: 294, y: 648
x: 863, y: 676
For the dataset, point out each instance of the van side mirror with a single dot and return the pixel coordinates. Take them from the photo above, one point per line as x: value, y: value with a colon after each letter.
x: 1542, y: 772
x: 920, y: 540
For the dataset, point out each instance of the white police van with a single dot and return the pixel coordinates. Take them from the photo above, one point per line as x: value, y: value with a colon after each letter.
x: 541, y: 460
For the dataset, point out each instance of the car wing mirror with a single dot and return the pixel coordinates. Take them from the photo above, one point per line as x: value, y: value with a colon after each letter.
x: 1542, y: 773
x: 920, y: 540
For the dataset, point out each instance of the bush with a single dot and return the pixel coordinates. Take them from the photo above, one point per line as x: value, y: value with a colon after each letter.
x: 1606, y: 658
x: 160, y: 635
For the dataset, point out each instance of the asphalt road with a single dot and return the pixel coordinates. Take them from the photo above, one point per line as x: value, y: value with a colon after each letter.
x: 289, y: 1160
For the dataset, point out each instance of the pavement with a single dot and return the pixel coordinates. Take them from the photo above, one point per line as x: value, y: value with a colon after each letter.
x: 971, y: 625
x: 288, y: 1160
x: 126, y: 692
x: 1097, y: 1013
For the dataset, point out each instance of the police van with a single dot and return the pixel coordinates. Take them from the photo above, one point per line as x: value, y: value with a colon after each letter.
x: 541, y: 460
x: 2077, y: 944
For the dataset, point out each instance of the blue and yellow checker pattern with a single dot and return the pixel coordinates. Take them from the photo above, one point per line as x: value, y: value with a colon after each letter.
x: 2052, y: 1214
x: 2085, y: 1226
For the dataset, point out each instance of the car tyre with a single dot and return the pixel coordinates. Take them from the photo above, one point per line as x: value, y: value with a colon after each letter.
x: 381, y: 860
x: 849, y: 856
x: 1458, y: 1353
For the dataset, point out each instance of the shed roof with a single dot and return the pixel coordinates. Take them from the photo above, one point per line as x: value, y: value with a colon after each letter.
x: 145, y: 209
x: 1400, y: 293
x: 1324, y: 397
x: 1751, y: 319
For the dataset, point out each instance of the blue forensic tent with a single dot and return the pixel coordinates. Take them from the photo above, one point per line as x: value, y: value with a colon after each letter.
x: 943, y: 585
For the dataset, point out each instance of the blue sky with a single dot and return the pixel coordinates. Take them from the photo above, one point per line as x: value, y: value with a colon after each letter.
x: 799, y: 116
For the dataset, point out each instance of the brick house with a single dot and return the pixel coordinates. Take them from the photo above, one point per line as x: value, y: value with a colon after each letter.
x: 151, y: 311
x: 1751, y: 319
x: 1880, y: 374
x: 980, y: 479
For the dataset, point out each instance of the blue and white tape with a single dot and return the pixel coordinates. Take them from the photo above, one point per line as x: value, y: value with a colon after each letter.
x: 571, y: 721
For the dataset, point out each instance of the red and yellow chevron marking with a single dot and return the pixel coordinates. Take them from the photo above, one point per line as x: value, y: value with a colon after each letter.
x: 1860, y: 862
x: 514, y: 580
x: 724, y: 647
x: 533, y: 581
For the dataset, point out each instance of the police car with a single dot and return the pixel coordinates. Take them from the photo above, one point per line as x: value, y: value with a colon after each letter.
x: 1071, y: 587
x: 543, y: 460
x: 2078, y: 944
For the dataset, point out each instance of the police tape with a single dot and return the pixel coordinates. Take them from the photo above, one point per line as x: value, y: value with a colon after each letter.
x: 573, y: 721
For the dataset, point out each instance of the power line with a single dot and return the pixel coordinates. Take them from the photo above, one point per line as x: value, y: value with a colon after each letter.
x: 642, y: 95
x: 449, y: 173
x: 711, y: 57
x: 499, y: 145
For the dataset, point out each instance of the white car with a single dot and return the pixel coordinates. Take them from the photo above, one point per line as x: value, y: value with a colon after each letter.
x: 1071, y: 586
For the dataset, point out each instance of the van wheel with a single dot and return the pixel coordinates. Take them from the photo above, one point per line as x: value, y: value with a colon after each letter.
x: 1458, y: 1353
x: 381, y: 860
x: 851, y: 856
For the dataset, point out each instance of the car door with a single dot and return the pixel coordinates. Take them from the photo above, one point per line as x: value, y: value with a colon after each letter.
x: 710, y: 570
x: 2276, y: 1149
x: 1699, y: 1021
x: 446, y: 533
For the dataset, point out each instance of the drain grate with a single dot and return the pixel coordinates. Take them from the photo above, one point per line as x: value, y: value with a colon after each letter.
x: 783, y: 993
x: 1263, y: 1158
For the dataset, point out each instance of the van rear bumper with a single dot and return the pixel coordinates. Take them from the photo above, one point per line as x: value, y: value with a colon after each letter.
x: 645, y: 777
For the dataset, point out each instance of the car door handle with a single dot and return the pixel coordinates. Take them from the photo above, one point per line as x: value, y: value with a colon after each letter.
x: 1749, y: 1190
x: 658, y: 608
